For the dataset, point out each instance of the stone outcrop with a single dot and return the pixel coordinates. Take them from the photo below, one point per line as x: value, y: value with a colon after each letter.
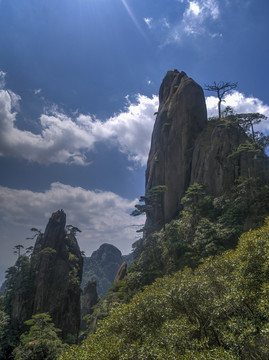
x: 216, y: 162
x: 186, y: 148
x: 121, y: 272
x: 50, y: 280
x: 89, y: 298
x: 57, y: 265
x: 180, y: 119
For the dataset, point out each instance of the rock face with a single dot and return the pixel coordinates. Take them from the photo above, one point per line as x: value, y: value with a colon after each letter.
x: 49, y: 281
x: 121, y: 272
x: 88, y: 300
x: 102, y: 266
x: 181, y: 118
x: 57, y: 264
x: 186, y: 148
x: 215, y: 162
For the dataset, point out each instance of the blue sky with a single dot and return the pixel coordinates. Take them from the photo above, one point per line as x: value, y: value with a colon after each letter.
x: 79, y: 81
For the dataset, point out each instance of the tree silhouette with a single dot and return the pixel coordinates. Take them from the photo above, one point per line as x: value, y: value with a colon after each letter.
x: 221, y: 88
x: 247, y: 121
x: 36, y: 233
x: 72, y: 229
x: 17, y: 250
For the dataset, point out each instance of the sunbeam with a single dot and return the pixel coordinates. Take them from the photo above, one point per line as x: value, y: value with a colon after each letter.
x: 133, y: 17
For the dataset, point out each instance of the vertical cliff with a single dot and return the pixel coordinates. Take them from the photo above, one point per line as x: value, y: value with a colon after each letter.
x: 49, y: 281
x: 57, y: 265
x: 89, y: 298
x: 180, y: 119
x: 217, y: 163
x: 186, y: 148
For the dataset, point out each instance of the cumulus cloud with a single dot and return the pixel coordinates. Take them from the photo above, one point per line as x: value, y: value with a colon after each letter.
x: 63, y: 139
x: 101, y: 215
x: 240, y: 104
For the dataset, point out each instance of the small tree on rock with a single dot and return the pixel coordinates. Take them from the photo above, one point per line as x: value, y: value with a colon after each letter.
x: 247, y: 121
x: 221, y: 88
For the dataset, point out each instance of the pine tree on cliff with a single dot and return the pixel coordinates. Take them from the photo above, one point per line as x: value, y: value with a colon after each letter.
x: 221, y: 88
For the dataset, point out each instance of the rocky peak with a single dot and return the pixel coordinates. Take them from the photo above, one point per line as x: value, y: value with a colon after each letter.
x: 107, y: 253
x: 57, y: 265
x: 102, y: 266
x: 186, y: 148
x: 180, y: 119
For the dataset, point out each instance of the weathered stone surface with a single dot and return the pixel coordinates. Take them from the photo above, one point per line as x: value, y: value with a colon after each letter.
x: 57, y: 265
x: 181, y: 118
x: 50, y: 280
x: 121, y: 272
x: 88, y: 299
x: 186, y: 148
x: 213, y: 164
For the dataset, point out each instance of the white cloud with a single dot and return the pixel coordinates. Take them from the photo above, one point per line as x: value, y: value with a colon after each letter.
x: 102, y: 216
x: 165, y: 23
x: 240, y: 104
x: 197, y: 15
x: 37, y: 91
x: 195, y: 19
x: 148, y: 21
x: 194, y: 9
x: 67, y: 140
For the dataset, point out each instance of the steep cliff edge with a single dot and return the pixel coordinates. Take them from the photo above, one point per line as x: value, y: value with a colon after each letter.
x: 186, y: 148
x: 180, y: 119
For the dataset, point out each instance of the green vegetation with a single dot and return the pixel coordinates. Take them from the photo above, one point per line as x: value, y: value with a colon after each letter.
x: 41, y: 342
x: 47, y: 251
x: 218, y: 311
x: 207, y: 226
x: 93, y: 270
x: 4, y: 320
x: 152, y: 200
x: 16, y: 306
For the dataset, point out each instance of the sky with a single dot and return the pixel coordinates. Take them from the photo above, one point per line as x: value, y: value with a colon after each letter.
x: 79, y: 82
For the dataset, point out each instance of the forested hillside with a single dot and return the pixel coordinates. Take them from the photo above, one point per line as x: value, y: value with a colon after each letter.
x: 218, y: 311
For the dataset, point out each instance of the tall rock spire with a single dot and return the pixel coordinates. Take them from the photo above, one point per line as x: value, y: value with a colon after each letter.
x: 180, y: 119
x: 57, y: 268
x: 186, y: 148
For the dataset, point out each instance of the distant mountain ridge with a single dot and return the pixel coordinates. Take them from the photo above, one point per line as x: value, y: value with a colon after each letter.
x: 103, y: 266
